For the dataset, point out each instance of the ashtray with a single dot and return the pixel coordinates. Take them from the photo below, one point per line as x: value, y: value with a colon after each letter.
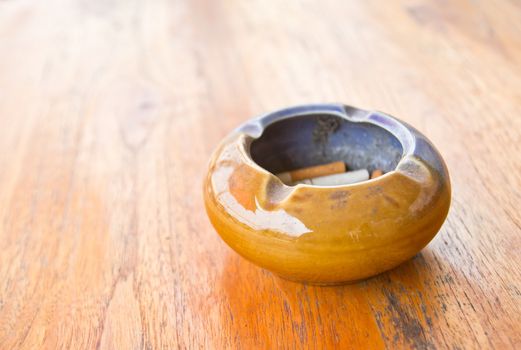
x: 338, y: 225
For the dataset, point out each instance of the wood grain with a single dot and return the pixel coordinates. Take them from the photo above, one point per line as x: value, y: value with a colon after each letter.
x: 109, y: 111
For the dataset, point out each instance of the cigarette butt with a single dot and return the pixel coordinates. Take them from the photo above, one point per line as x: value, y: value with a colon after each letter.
x: 376, y: 173
x: 349, y: 177
x: 312, y: 172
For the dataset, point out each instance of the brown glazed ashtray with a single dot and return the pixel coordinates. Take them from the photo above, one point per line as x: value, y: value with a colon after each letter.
x: 326, y: 234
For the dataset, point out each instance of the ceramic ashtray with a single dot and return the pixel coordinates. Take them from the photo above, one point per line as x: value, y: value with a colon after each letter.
x: 326, y: 194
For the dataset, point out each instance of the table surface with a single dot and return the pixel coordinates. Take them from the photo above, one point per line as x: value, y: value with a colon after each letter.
x: 109, y: 111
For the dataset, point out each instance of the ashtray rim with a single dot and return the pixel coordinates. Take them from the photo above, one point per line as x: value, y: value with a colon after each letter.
x: 405, y: 134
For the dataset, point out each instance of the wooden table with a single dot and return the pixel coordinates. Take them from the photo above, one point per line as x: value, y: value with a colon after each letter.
x: 109, y: 111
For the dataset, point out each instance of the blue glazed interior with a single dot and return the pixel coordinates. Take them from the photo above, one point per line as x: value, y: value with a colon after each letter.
x: 315, y: 139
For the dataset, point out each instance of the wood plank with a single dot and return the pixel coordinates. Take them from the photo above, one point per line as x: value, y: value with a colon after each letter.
x: 109, y: 111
